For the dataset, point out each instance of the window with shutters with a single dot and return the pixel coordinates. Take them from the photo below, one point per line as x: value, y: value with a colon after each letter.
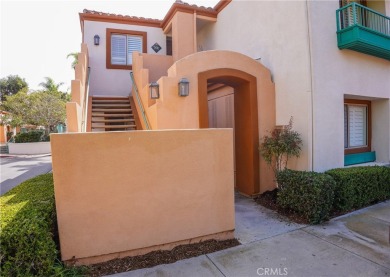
x: 357, y: 126
x: 120, y: 47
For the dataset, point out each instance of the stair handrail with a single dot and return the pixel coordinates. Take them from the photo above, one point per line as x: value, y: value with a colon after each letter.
x: 11, y: 139
x: 85, y: 104
x: 140, y: 105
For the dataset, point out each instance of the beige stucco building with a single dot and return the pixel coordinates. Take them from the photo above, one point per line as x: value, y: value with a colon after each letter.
x: 313, y: 78
x: 315, y: 82
x: 244, y: 65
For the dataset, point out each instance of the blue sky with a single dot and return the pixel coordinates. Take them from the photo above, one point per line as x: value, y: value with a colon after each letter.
x: 36, y: 36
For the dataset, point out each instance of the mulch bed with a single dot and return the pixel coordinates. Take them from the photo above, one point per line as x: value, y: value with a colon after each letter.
x: 269, y: 200
x: 160, y: 257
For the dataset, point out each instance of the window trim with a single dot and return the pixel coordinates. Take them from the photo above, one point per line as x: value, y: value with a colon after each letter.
x: 109, y: 33
x: 367, y: 148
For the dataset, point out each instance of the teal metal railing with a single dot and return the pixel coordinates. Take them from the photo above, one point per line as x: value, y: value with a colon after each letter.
x: 140, y: 105
x: 358, y: 15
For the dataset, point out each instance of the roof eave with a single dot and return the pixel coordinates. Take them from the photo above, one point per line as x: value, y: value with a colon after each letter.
x: 120, y: 19
x: 178, y: 7
x: 221, y: 5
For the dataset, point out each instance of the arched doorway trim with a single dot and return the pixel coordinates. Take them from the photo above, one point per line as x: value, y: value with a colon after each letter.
x: 246, y: 122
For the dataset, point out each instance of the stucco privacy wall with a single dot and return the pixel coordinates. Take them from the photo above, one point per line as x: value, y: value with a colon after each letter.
x: 75, y: 110
x: 125, y: 191
x: 31, y: 148
x: 275, y: 32
x: 339, y: 74
x: 173, y: 112
x: 114, y: 82
x: 157, y: 65
x: 189, y: 67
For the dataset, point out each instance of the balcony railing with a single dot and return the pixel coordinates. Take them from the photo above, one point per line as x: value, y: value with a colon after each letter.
x: 364, y: 30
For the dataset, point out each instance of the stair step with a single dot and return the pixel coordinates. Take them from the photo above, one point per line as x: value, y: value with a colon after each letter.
x: 111, y: 105
x: 113, y: 126
x: 109, y: 101
x: 111, y: 110
x: 109, y: 98
x: 112, y: 120
x: 4, y: 149
x: 112, y: 115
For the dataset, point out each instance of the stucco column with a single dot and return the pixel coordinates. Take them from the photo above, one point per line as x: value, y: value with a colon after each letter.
x: 183, y: 35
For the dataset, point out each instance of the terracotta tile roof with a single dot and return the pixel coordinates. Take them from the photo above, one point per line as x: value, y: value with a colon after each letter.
x: 86, y: 11
x: 194, y: 6
x: 178, y: 5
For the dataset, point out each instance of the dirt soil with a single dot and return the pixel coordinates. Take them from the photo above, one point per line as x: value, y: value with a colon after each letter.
x: 269, y: 200
x: 160, y: 257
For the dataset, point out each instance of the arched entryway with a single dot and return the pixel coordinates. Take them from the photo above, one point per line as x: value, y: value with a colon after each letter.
x: 245, y: 121
x: 254, y: 105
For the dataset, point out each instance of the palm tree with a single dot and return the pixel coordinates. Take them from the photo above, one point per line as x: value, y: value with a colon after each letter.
x: 50, y: 85
x: 75, y: 57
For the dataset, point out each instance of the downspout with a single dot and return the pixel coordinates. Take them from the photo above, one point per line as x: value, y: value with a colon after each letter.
x: 311, y: 82
x: 195, y: 35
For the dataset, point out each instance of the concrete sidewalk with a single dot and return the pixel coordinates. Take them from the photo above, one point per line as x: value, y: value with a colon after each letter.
x: 356, y: 244
x: 16, y: 169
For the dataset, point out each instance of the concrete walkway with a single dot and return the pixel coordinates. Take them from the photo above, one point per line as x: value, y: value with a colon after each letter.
x: 356, y: 244
x: 17, y: 169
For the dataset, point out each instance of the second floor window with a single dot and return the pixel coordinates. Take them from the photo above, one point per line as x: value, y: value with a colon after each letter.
x: 120, y: 47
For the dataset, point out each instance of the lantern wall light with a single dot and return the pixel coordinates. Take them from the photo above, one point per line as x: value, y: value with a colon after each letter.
x: 154, y: 90
x: 96, y: 40
x: 184, y: 87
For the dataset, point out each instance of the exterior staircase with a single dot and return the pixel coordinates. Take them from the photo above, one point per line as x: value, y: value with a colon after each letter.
x: 4, y: 149
x: 112, y: 114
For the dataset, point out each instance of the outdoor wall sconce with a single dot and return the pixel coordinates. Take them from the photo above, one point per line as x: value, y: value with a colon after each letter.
x: 184, y: 87
x: 154, y: 90
x: 96, y: 39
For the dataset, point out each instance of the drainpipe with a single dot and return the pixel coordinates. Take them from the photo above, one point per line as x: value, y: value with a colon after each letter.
x: 311, y: 82
x: 195, y: 35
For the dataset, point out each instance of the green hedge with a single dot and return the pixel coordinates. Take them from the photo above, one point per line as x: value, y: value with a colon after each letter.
x: 310, y: 194
x: 357, y: 187
x: 27, y: 225
x: 32, y: 136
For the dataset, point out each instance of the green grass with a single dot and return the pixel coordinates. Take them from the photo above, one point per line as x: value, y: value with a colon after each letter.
x: 28, y: 225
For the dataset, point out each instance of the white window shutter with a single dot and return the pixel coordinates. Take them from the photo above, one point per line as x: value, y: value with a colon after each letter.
x: 118, y: 49
x: 357, y: 116
x: 134, y: 43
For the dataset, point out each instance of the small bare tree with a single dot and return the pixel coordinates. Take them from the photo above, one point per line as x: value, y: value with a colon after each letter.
x: 280, y: 145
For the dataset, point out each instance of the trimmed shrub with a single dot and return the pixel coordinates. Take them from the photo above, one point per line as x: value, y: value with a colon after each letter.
x: 357, y: 187
x: 27, y: 226
x: 32, y: 136
x: 309, y: 194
